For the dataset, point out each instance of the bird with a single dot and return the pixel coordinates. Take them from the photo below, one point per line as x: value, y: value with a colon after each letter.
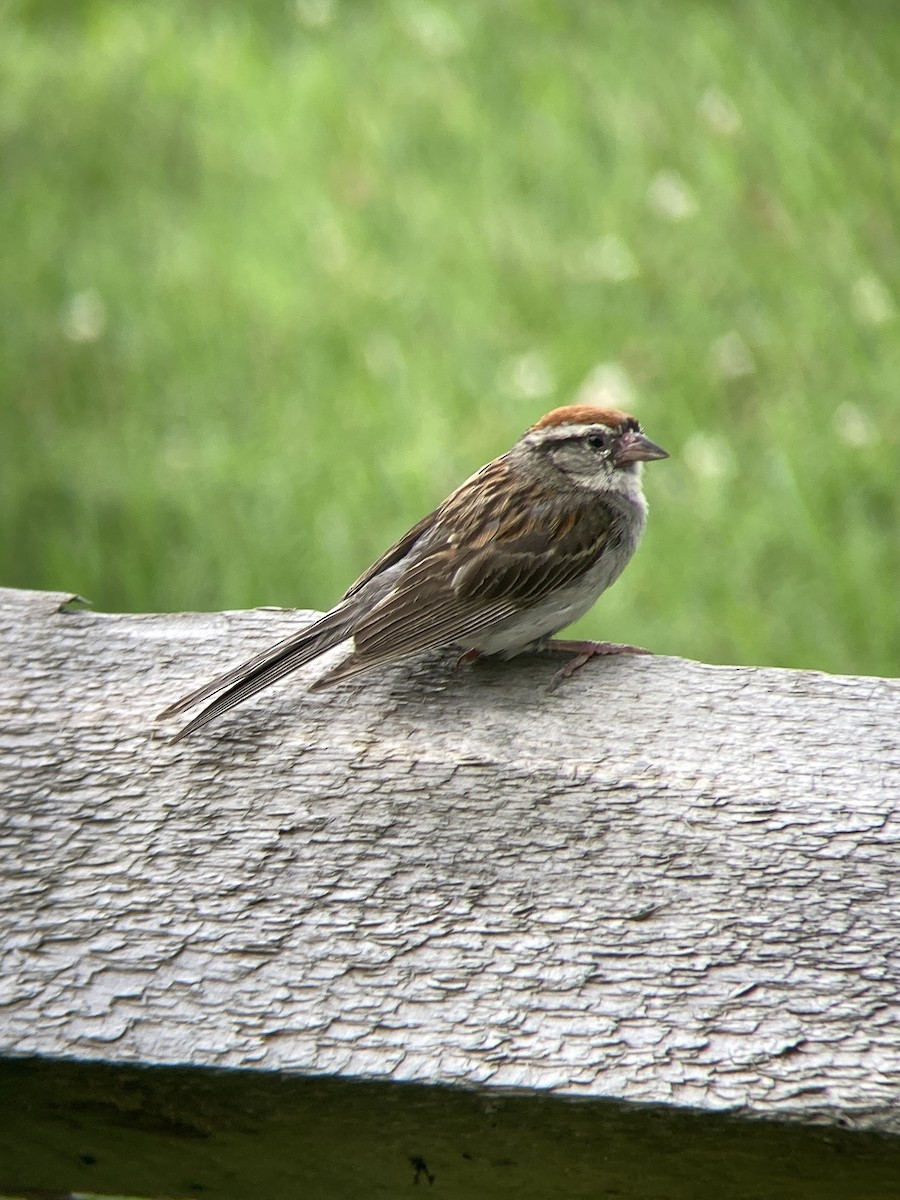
x: 520, y: 550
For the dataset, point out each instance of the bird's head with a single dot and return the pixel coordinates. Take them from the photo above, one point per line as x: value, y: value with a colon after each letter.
x: 600, y: 449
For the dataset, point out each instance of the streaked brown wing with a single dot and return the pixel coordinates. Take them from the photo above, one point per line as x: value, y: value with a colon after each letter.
x: 537, y: 562
x: 484, y: 558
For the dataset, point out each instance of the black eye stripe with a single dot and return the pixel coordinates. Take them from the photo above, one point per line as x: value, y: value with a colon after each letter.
x: 597, y: 438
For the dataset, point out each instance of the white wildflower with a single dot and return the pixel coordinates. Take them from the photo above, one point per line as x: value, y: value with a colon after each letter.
x: 671, y: 197
x: 527, y: 376
x: 434, y: 28
x: 708, y: 455
x: 719, y: 112
x: 315, y: 14
x: 84, y: 317
x: 853, y: 425
x: 609, y: 259
x: 730, y: 357
x: 872, y: 302
x: 608, y: 385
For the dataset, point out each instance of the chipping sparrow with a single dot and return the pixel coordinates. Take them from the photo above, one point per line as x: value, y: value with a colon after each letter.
x: 523, y: 548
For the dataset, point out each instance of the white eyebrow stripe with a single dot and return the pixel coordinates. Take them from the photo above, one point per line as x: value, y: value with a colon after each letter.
x: 562, y: 433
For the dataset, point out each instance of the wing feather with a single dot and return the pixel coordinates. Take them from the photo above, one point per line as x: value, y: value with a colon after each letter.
x: 487, y: 556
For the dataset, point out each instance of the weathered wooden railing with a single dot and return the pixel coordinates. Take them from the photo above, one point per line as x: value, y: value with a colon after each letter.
x: 442, y: 926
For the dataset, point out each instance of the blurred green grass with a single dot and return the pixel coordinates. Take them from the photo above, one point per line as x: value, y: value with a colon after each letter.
x: 278, y: 276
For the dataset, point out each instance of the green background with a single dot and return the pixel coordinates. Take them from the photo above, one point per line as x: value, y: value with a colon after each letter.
x: 278, y: 276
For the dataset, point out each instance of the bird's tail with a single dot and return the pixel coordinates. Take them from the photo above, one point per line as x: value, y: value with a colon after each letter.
x: 258, y: 672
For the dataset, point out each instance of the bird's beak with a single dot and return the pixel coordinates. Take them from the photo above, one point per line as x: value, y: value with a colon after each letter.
x: 634, y: 447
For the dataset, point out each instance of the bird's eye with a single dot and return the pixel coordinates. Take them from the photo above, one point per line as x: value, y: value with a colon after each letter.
x: 597, y: 441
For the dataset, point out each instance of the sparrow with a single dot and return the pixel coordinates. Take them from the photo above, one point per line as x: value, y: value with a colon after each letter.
x: 519, y: 551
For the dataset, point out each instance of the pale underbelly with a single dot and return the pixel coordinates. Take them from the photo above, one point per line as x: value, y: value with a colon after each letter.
x: 557, y: 611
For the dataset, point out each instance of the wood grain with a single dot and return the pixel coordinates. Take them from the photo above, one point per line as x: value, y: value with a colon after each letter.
x: 666, y: 882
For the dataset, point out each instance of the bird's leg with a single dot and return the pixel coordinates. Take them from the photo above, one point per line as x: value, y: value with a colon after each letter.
x: 584, y: 652
x: 470, y: 656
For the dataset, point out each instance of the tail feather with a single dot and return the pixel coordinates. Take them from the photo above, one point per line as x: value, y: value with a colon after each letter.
x: 263, y: 669
x: 355, y: 664
x: 228, y: 677
x: 347, y: 668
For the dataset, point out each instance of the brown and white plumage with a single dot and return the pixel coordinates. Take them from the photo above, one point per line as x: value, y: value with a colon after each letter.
x: 520, y: 550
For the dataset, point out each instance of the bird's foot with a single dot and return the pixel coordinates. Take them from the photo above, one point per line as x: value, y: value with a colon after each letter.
x: 584, y: 652
x: 470, y: 656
